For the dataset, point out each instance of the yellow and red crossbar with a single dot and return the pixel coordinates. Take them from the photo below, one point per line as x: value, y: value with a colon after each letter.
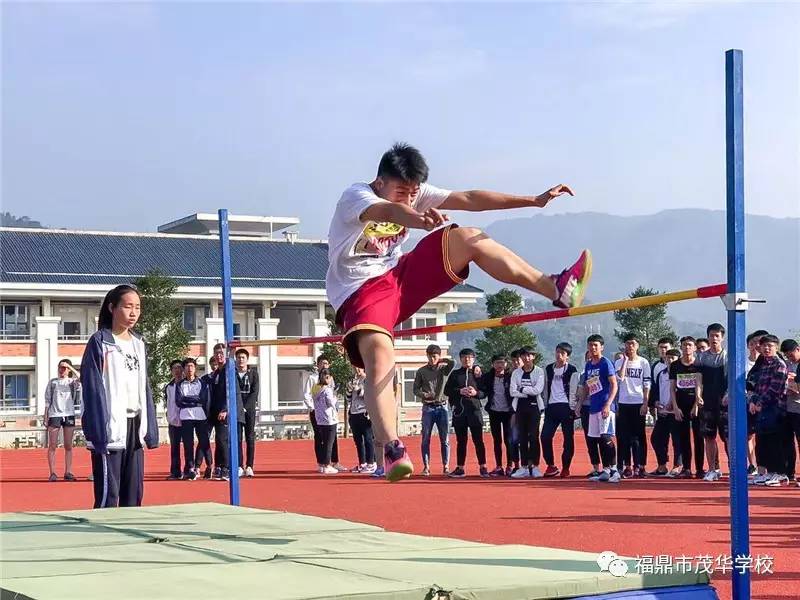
x: 709, y: 291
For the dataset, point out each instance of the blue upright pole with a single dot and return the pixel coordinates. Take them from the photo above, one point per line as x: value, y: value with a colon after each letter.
x: 736, y: 304
x: 230, y: 367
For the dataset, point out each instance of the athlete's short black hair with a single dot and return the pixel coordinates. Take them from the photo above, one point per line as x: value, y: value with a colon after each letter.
x: 403, y: 161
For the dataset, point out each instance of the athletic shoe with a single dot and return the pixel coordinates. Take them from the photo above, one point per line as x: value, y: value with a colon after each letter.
x: 53, y: 477
x: 685, y: 474
x: 614, y: 478
x: 521, y: 473
x: 658, y: 473
x: 551, y: 471
x: 378, y: 472
x: 564, y: 473
x: 397, y: 464
x: 69, y: 477
x: 340, y: 467
x: 606, y: 475
x: 458, y: 472
x: 598, y: 476
x: 498, y: 472
x: 369, y: 469
x: 675, y: 472
x: 758, y: 479
x: 593, y: 475
x: 712, y: 476
x: 640, y: 473
x: 225, y: 475
x: 241, y: 472
x: 329, y: 470
x: 627, y: 473
x: 207, y: 473
x: 509, y: 470
x: 217, y: 476
x: 445, y: 470
x: 356, y: 469
x: 751, y: 470
x: 483, y: 472
x: 426, y: 471
x: 571, y: 282
x: 536, y: 473
x: 192, y: 476
x: 776, y: 480
x: 248, y: 472
x: 700, y: 474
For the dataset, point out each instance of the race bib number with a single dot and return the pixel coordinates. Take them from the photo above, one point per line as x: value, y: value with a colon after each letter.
x: 594, y: 385
x: 686, y: 381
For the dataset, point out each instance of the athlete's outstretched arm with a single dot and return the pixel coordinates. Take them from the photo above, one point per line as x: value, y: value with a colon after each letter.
x: 479, y: 200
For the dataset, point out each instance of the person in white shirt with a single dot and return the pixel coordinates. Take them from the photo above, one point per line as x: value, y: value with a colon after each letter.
x: 527, y: 384
x: 374, y: 287
x: 664, y: 427
x: 61, y: 396
x: 326, y: 411
x: 633, y: 375
x: 174, y: 420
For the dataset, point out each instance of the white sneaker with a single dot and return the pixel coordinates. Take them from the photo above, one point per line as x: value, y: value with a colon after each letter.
x: 776, y: 480
x: 241, y: 472
x: 605, y: 475
x: 614, y: 477
x: 712, y: 476
x: 674, y: 472
x: 760, y: 478
x: 329, y: 470
x: 536, y: 473
x: 369, y: 468
x: 341, y: 468
x: 320, y: 469
x: 521, y: 473
x: 249, y: 472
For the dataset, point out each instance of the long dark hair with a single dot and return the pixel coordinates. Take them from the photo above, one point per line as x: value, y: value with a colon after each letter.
x: 106, y: 319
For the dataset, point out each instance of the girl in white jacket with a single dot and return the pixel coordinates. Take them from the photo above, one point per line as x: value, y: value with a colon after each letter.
x: 326, y: 411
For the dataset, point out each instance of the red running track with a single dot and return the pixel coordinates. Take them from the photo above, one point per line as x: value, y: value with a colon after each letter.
x: 644, y: 517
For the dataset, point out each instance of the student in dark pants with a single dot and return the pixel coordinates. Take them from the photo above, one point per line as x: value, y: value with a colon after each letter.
x: 791, y: 353
x: 119, y: 417
x: 247, y: 379
x: 526, y: 388
x: 174, y: 420
x: 204, y: 454
x: 310, y: 383
x: 360, y: 425
x: 686, y: 382
x: 218, y: 416
x: 495, y: 386
x: 664, y: 428
x: 559, y: 395
x: 465, y: 397
x: 326, y: 410
x: 190, y: 396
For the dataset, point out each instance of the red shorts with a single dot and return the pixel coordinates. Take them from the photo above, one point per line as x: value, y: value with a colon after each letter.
x: 385, y: 301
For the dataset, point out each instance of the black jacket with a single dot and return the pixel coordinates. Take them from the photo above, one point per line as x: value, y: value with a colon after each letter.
x: 486, y: 385
x: 458, y: 379
x: 219, y: 397
x: 249, y: 382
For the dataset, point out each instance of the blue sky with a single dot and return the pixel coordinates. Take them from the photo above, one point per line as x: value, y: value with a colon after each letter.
x: 125, y: 116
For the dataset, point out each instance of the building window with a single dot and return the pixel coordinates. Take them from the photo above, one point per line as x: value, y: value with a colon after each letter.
x: 15, y: 321
x: 15, y: 389
x: 425, y: 317
x: 295, y: 321
x: 409, y: 399
x: 77, y: 320
x: 72, y: 329
x: 291, y: 383
x: 194, y: 320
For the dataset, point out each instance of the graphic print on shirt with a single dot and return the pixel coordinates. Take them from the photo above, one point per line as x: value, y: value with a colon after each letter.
x: 379, y: 239
x: 686, y: 381
x: 131, y: 361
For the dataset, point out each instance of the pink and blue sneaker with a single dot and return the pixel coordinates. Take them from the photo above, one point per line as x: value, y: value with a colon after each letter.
x: 396, y: 462
x: 571, y: 282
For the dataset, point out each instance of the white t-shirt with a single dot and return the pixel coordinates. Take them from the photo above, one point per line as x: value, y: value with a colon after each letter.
x: 60, y: 396
x: 359, y: 251
x: 557, y: 394
x: 637, y: 377
x: 129, y: 376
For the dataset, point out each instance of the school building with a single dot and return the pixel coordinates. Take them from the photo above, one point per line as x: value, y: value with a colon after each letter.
x: 52, y: 282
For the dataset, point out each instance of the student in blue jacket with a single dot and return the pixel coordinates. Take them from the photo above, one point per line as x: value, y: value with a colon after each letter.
x: 119, y: 417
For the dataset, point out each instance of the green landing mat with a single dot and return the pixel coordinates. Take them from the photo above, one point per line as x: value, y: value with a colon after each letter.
x: 196, y: 551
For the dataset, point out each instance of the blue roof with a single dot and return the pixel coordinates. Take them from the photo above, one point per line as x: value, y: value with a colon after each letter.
x: 69, y: 257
